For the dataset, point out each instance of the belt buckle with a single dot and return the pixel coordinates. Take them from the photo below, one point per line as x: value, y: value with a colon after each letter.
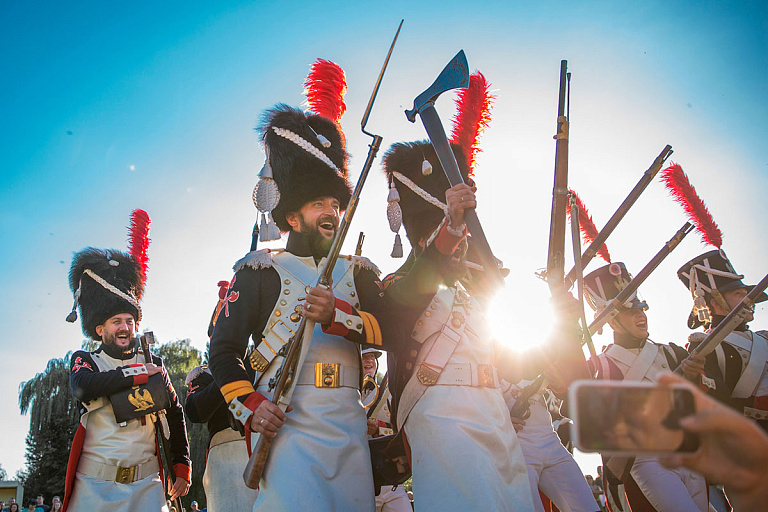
x: 426, y: 375
x: 327, y: 375
x: 485, y: 376
x: 125, y: 475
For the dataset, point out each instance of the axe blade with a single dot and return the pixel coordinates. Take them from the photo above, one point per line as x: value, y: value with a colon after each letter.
x: 455, y: 75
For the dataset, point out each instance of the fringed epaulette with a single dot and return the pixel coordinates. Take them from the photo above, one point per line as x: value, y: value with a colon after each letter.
x: 256, y: 259
x: 363, y: 262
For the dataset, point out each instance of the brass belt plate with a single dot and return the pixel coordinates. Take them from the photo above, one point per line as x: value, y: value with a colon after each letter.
x: 485, y: 376
x: 427, y: 376
x: 327, y: 375
x: 125, y: 475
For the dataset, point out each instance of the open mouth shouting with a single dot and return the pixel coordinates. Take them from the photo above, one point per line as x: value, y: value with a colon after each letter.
x: 327, y: 225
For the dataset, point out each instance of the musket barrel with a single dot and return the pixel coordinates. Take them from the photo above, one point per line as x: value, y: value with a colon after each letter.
x: 619, y: 214
x: 556, y: 252
x: 730, y: 322
x: 633, y: 285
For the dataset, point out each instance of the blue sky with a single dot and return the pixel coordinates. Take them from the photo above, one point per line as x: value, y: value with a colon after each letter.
x: 109, y: 107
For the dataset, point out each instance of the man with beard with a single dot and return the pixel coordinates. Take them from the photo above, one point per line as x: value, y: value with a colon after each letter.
x: 319, y: 458
x: 114, y: 465
x: 634, y: 357
x: 738, y: 364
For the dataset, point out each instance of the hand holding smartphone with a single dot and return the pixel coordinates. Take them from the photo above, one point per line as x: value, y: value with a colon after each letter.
x: 631, y: 418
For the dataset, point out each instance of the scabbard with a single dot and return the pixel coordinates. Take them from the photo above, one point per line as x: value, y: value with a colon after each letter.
x: 434, y: 127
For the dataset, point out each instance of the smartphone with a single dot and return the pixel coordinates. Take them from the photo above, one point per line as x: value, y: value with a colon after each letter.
x: 631, y: 418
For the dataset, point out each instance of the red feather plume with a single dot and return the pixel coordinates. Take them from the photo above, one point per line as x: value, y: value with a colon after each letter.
x: 473, y: 113
x: 138, y: 241
x: 324, y: 88
x: 587, y: 226
x: 681, y: 189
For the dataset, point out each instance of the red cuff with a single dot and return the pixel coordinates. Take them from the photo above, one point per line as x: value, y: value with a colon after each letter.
x: 183, y: 471
x: 252, y: 403
x: 335, y: 328
x: 447, y: 243
x: 141, y: 378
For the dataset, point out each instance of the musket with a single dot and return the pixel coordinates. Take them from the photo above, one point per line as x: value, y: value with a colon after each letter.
x: 382, y: 393
x: 298, y: 344
x: 359, y: 247
x: 522, y: 404
x: 576, y: 242
x: 619, y: 214
x: 147, y: 339
x: 614, y: 306
x: 556, y: 250
x: 455, y: 75
x: 736, y: 317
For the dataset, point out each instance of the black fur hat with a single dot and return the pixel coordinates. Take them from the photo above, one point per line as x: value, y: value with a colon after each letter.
x: 420, y: 217
x: 301, y: 176
x: 93, y: 271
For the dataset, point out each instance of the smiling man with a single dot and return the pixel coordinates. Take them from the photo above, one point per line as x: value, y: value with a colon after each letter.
x: 319, y: 458
x: 633, y: 357
x: 114, y: 465
x: 739, y: 363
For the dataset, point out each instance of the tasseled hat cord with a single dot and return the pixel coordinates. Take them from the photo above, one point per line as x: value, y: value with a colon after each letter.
x: 72, y: 317
x: 395, y: 213
x: 699, y: 289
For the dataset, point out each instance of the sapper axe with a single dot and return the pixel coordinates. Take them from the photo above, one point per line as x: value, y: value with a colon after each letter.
x: 454, y: 76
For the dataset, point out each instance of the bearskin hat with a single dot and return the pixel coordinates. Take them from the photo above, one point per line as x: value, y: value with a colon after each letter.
x: 301, y: 164
x: 408, y: 159
x: 107, y: 282
x: 604, y: 284
x: 98, y: 303
x: 709, y: 275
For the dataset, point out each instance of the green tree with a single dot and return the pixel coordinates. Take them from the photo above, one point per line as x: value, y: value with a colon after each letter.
x: 53, y: 417
x: 3, y: 473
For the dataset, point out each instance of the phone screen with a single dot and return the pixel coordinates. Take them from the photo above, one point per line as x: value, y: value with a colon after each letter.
x: 632, y: 418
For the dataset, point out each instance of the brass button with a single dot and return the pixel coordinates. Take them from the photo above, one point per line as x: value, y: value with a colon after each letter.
x: 663, y: 366
x: 432, y: 306
x: 414, y: 353
x: 351, y: 294
x: 408, y: 366
x: 287, y: 281
x: 357, y: 304
x: 295, y: 317
x: 277, y: 313
x: 349, y: 322
x: 349, y: 284
x: 232, y: 406
x: 427, y: 314
x: 283, y: 302
x: 419, y: 323
x: 239, y: 413
x: 359, y: 326
x: 286, y: 291
x: 307, y: 288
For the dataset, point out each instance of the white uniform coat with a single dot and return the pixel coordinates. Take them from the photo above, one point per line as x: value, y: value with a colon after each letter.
x: 465, y: 454
x: 109, y: 443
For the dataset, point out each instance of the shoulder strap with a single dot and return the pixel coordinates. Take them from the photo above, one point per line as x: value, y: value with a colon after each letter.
x: 753, y: 372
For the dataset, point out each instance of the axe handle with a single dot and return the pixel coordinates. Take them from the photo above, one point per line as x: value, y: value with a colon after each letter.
x: 434, y: 127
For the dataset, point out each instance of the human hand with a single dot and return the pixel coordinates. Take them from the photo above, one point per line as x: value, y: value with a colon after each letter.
x: 459, y: 199
x: 518, y: 423
x: 373, y: 427
x: 320, y: 304
x: 153, y: 369
x: 693, y: 366
x: 268, y: 418
x: 733, y: 452
x: 180, y: 488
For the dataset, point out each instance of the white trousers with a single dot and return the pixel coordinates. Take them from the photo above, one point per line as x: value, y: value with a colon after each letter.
x: 670, y: 490
x: 393, y: 501
x: 225, y: 489
x: 92, y: 494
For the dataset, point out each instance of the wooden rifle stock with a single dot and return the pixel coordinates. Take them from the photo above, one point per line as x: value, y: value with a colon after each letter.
x: 613, y: 307
x: 146, y: 339
x: 299, y: 343
x: 619, y: 214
